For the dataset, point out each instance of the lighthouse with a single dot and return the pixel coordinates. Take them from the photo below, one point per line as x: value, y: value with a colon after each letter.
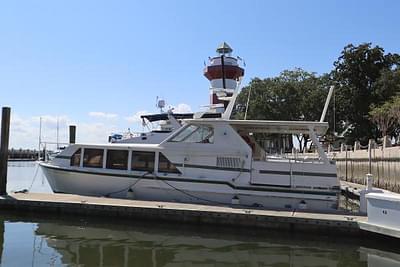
x: 224, y: 73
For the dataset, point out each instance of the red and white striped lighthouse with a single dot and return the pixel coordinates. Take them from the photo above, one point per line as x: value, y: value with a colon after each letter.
x: 224, y: 73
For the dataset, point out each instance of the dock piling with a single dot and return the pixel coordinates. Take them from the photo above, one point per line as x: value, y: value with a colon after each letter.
x: 5, y: 134
x: 72, y: 134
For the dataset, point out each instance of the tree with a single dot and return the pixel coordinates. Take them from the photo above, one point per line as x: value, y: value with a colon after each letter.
x: 293, y: 95
x: 387, y: 117
x: 361, y: 77
x: 383, y: 117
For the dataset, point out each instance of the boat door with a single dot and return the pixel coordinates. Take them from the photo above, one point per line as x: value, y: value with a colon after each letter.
x: 271, y: 173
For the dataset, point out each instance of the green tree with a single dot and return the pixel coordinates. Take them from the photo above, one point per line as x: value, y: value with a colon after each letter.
x: 293, y: 95
x: 363, y: 76
x: 387, y: 117
x: 383, y: 117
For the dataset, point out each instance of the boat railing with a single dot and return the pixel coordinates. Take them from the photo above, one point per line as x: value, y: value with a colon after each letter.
x: 294, y: 157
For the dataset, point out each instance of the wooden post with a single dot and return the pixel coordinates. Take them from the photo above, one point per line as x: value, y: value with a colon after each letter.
x: 5, y: 134
x: 72, y: 134
x: 370, y: 143
x: 346, y: 161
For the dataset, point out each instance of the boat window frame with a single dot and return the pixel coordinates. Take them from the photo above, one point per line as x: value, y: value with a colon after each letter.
x: 102, y: 159
x: 80, y: 149
x: 148, y: 170
x: 112, y: 150
x: 171, y: 166
x: 182, y: 131
x: 209, y: 137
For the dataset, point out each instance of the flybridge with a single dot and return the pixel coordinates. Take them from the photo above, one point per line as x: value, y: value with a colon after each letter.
x: 286, y: 127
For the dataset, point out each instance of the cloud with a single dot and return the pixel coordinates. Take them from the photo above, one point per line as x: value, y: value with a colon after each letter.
x: 136, y: 117
x: 102, y: 115
x: 50, y: 120
x: 94, y: 132
x: 24, y: 131
x: 182, y: 108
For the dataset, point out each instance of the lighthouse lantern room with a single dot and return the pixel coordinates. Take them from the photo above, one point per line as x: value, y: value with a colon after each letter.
x: 224, y: 73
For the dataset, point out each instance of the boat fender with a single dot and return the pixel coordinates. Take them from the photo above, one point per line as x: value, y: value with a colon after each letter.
x: 302, y: 205
x: 130, y: 193
x: 235, y: 200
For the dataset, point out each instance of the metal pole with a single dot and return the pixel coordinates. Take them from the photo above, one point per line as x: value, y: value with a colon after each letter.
x: 58, y: 128
x: 326, y: 104
x: 346, y: 161
x: 223, y: 72
x: 40, y: 137
x: 72, y: 134
x: 5, y: 134
x: 369, y: 156
x: 247, y: 104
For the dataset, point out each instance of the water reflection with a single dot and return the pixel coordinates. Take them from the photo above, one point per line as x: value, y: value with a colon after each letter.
x: 140, y: 247
x: 72, y: 242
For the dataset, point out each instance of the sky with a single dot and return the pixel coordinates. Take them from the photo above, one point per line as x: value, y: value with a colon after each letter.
x: 101, y: 64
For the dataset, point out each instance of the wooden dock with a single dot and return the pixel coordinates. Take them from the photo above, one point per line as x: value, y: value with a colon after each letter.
x: 351, y: 189
x: 184, y: 213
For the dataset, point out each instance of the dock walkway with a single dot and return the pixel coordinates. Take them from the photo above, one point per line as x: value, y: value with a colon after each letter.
x: 184, y: 213
x: 351, y: 188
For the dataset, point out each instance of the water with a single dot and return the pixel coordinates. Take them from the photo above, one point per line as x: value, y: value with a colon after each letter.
x: 26, y: 175
x: 33, y: 240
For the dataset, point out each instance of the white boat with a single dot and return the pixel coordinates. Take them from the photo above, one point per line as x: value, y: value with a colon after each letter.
x: 209, y: 161
x: 206, y: 160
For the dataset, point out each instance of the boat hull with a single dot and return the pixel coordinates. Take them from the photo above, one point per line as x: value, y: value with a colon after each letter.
x: 171, y: 189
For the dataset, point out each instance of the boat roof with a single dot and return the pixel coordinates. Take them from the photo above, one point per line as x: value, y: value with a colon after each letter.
x: 267, y: 126
x: 178, y: 116
x: 117, y: 145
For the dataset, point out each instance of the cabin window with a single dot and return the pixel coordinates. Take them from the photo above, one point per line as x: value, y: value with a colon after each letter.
x: 76, y: 158
x: 184, y: 134
x: 117, y: 159
x: 93, y: 158
x: 143, y: 161
x: 164, y: 165
x: 195, y: 134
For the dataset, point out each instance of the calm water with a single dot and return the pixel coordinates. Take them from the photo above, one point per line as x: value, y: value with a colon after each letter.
x: 26, y: 175
x: 31, y: 240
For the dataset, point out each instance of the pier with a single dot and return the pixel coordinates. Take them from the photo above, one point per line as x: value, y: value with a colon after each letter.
x: 184, y: 213
x: 242, y: 217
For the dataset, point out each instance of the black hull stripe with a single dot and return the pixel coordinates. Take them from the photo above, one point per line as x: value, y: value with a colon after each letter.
x: 62, y: 157
x: 299, y: 173
x: 211, y: 167
x: 174, y: 179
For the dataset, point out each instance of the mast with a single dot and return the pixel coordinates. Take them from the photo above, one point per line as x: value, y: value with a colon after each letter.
x: 58, y: 126
x: 40, y: 136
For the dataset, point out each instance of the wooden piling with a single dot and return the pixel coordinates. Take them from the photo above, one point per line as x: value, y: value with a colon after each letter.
x: 72, y: 134
x: 5, y: 134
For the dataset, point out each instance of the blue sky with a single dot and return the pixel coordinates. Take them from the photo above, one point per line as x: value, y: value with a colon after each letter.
x: 98, y: 63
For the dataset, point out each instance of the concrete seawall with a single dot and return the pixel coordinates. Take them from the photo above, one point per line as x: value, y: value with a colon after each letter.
x: 353, y: 165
